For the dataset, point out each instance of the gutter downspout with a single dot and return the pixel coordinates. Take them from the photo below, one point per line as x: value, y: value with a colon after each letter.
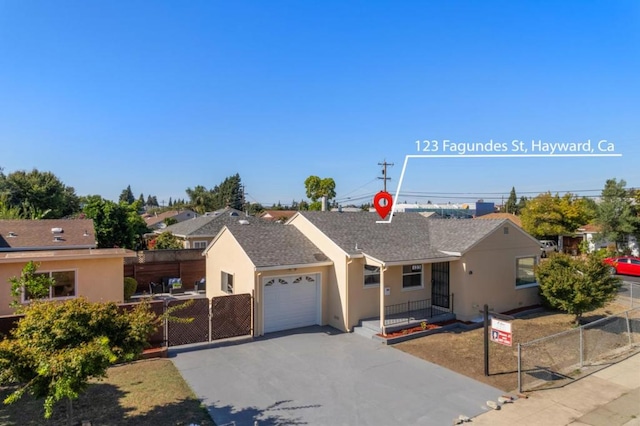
x: 346, y: 316
x: 255, y: 305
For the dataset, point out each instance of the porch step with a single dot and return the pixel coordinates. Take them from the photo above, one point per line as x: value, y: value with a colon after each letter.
x: 448, y: 316
x: 365, y: 332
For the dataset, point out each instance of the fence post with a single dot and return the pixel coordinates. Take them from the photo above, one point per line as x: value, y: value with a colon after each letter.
x: 408, y: 311
x: 626, y: 316
x: 166, y: 322
x: 210, y: 316
x: 519, y: 368
x: 581, y: 346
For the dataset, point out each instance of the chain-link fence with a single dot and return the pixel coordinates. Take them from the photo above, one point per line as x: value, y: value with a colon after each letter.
x: 561, y: 358
x: 629, y: 294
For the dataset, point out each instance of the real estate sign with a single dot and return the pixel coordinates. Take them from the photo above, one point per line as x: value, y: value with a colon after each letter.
x: 501, y: 332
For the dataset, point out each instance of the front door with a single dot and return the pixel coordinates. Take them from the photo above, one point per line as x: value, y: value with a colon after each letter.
x: 440, y: 284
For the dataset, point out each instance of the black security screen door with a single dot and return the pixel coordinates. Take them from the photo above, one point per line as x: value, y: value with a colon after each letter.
x: 440, y: 284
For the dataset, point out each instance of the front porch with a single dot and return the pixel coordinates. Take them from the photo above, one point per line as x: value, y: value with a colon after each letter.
x: 407, y: 315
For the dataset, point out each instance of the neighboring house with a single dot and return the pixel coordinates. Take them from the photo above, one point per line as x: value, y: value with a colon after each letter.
x: 66, y: 250
x: 156, y: 220
x: 336, y: 268
x: 198, y: 232
x: 590, y: 234
x: 512, y: 217
x: 275, y: 215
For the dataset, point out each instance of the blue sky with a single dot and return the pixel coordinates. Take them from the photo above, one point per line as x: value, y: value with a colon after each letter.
x: 164, y: 96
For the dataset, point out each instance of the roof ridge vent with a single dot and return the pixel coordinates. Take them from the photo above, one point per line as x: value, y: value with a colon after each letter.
x: 57, y: 230
x: 58, y: 238
x: 12, y: 234
x: 243, y: 222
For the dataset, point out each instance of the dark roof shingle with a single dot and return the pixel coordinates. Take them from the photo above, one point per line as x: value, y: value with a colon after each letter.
x: 18, y: 235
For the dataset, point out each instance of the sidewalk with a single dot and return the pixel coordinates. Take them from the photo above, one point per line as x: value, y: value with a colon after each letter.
x: 610, y: 397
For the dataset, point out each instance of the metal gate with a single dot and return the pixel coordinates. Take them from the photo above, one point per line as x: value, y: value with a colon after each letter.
x: 440, y: 284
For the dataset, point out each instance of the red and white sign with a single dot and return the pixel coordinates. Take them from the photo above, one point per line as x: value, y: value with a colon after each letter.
x: 501, y: 332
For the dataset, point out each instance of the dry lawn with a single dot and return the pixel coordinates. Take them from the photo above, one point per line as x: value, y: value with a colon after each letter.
x: 148, y: 392
x: 463, y: 351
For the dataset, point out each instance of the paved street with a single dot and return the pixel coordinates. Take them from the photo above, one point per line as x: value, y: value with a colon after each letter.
x: 318, y: 376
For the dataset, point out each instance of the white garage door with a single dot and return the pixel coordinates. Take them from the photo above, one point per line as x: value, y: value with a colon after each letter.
x: 291, y: 302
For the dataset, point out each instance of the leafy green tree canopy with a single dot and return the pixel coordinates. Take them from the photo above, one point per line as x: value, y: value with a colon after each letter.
x: 616, y: 213
x: 316, y: 188
x: 38, y: 194
x: 117, y: 225
x: 576, y: 285
x: 551, y: 215
x: 58, y: 346
x: 167, y: 241
x: 36, y: 285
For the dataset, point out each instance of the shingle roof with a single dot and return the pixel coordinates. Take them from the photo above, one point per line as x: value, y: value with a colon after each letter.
x: 208, y: 226
x: 272, y: 244
x: 512, y: 217
x: 39, y: 234
x: 409, y: 236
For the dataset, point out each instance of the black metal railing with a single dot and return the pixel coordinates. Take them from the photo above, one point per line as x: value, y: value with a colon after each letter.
x: 412, y: 310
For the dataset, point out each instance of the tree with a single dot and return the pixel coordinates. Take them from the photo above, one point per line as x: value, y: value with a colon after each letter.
x: 511, y: 206
x: 170, y: 221
x: 141, y: 200
x: 57, y: 347
x: 228, y: 194
x: 167, y: 241
x: 576, y: 285
x: 126, y: 196
x: 116, y: 225
x: 547, y: 216
x: 615, y: 213
x: 316, y: 188
x: 7, y: 211
x: 36, y: 286
x: 38, y: 194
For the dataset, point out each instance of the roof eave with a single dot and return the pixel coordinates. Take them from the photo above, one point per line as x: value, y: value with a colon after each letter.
x: 294, y: 266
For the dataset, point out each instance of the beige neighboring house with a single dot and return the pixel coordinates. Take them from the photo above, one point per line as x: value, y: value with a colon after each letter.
x: 66, y: 250
x: 198, y: 232
x: 339, y: 269
x: 156, y: 220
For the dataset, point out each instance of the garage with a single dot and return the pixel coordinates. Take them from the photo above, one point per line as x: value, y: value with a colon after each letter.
x: 291, y: 301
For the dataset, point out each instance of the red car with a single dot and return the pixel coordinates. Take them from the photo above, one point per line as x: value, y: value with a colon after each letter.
x: 624, y: 265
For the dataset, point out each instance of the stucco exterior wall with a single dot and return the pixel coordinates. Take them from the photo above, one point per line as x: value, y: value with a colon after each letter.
x: 487, y: 274
x: 365, y: 301
x: 227, y: 256
x: 98, y: 280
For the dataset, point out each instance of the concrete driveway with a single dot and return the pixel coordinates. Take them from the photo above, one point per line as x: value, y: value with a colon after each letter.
x: 319, y: 376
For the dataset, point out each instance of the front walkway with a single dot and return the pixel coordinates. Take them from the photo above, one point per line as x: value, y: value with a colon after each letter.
x: 610, y: 397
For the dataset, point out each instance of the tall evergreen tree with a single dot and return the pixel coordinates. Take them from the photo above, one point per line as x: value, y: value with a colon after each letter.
x: 511, y: 206
x: 126, y: 196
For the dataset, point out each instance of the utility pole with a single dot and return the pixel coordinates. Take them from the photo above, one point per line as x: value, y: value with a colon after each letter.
x: 384, y: 177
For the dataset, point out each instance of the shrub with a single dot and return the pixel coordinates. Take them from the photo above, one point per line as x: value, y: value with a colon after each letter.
x: 130, y: 287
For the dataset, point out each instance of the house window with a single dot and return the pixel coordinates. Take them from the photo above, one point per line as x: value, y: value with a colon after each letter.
x: 411, y: 276
x: 227, y: 283
x: 64, y: 285
x: 525, y: 275
x: 371, y: 276
x: 199, y: 244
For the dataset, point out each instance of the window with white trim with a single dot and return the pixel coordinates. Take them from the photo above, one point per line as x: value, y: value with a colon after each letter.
x: 412, y: 276
x: 371, y: 276
x: 64, y: 285
x: 199, y: 244
x: 525, y: 274
x: 227, y: 282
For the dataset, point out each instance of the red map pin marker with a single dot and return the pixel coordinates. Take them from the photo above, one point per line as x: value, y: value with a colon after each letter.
x: 383, y: 202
